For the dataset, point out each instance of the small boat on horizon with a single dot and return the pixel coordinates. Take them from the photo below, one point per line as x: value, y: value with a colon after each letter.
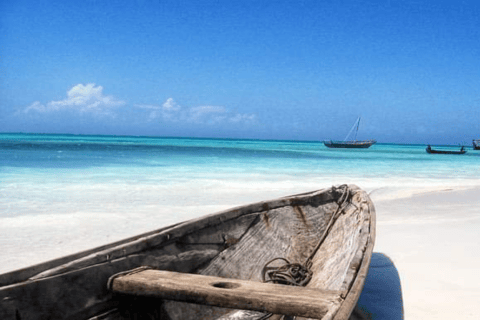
x: 476, y: 144
x: 358, y: 144
x: 433, y: 151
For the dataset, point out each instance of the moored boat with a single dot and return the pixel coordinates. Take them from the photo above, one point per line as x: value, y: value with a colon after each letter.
x: 319, y: 242
x: 476, y: 144
x: 433, y: 151
x: 359, y: 144
x: 350, y: 144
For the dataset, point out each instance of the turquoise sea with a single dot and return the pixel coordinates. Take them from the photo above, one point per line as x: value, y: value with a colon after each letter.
x: 65, y: 193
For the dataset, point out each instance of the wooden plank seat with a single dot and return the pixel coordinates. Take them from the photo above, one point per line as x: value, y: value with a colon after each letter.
x: 226, y: 292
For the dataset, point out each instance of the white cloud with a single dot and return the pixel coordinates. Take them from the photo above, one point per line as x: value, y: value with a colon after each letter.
x: 170, y: 105
x: 170, y: 111
x: 153, y: 111
x: 242, y: 117
x: 147, y: 106
x: 36, y: 106
x: 207, y: 109
x: 84, y: 98
x: 206, y: 114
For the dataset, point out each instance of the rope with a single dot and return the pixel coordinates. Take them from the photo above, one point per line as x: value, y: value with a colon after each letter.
x: 296, y: 274
x: 293, y: 274
x: 341, y: 206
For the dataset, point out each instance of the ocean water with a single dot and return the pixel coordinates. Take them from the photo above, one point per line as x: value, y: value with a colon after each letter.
x: 63, y: 193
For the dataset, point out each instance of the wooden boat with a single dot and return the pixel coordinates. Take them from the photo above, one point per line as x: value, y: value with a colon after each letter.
x: 305, y: 255
x: 360, y: 144
x: 476, y: 144
x: 433, y: 151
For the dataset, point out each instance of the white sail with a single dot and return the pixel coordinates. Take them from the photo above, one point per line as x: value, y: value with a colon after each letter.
x: 356, y: 124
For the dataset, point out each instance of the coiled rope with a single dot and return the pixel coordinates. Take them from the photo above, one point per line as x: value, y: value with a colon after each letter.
x: 296, y: 274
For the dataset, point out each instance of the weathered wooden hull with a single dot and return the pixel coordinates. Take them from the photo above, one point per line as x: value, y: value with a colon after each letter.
x: 233, y: 244
x: 350, y: 144
x: 433, y: 151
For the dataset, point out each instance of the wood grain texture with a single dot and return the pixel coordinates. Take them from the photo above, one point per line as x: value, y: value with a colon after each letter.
x: 351, y: 299
x: 338, y: 260
x: 80, y: 285
x: 228, y: 293
x: 234, y: 244
x: 81, y: 293
x: 278, y: 232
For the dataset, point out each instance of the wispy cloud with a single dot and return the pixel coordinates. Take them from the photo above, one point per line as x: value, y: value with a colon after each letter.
x: 172, y: 112
x: 170, y: 105
x: 169, y: 111
x: 207, y: 114
x: 83, y: 98
x: 242, y: 117
x: 89, y: 99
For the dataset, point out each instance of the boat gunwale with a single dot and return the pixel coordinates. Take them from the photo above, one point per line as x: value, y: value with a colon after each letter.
x: 154, y: 238
x: 350, y: 301
x: 171, y: 233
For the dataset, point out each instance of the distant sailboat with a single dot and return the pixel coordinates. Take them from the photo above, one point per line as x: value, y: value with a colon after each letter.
x: 476, y: 144
x: 351, y: 143
x: 434, y: 151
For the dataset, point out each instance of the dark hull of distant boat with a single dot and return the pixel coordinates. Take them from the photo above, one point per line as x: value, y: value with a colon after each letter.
x: 476, y: 144
x: 350, y: 144
x: 432, y: 151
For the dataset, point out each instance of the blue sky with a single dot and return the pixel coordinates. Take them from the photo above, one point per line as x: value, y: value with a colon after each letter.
x: 296, y: 70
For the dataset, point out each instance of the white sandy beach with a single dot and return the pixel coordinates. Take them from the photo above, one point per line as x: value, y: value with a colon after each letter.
x: 433, y: 238
x: 431, y: 233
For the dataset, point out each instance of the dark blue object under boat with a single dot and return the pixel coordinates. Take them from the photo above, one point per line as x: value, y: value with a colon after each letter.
x: 381, y: 297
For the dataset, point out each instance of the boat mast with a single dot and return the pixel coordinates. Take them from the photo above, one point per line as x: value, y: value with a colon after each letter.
x: 358, y: 124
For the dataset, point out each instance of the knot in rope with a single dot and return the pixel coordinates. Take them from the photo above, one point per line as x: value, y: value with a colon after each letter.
x: 296, y: 274
x: 293, y: 274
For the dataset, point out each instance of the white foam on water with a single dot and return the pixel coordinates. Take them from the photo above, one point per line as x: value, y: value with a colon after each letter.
x: 50, y: 212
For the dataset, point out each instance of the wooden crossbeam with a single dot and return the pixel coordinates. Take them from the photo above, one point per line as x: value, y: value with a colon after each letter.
x: 227, y: 293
